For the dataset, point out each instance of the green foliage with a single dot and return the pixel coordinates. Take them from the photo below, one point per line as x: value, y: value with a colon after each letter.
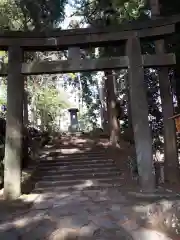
x: 109, y: 12
x: 91, y: 98
x: 99, y: 13
x: 113, y: 12
x: 11, y: 16
x: 51, y: 99
x: 44, y: 14
x: 49, y: 103
x: 29, y: 14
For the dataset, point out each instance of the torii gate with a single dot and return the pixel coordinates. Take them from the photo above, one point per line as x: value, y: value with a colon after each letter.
x: 130, y: 34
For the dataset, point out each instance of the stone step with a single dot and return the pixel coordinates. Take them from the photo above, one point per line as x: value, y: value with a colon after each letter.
x: 45, y: 167
x: 72, y: 158
x: 69, y: 162
x: 79, y: 176
x: 64, y: 184
x: 66, y: 170
x: 67, y: 158
x: 63, y: 168
x: 67, y: 189
x: 84, y: 151
x: 75, y: 154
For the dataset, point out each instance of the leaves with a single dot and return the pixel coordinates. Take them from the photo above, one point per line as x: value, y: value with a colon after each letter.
x: 29, y: 14
x: 46, y: 102
x: 109, y: 12
x: 11, y: 17
x: 51, y: 99
x: 45, y: 14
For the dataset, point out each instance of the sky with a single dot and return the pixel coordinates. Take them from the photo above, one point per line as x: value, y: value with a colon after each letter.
x: 68, y: 11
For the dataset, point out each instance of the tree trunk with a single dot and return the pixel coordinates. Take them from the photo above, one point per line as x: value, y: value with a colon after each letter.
x: 130, y: 127
x: 26, y: 140
x: 101, y: 89
x: 33, y: 110
x: 139, y: 108
x: 114, y: 126
x: 13, y: 148
x: 43, y: 120
x: 26, y: 118
x: 171, y: 167
x: 105, y: 109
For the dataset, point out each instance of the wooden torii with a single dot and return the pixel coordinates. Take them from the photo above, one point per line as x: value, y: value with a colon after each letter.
x: 171, y: 163
x: 130, y: 34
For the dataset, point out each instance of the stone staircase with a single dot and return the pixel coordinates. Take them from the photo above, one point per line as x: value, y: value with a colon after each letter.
x: 87, y: 169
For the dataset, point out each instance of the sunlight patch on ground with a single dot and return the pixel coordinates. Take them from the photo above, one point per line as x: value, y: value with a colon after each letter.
x: 46, y: 152
x: 87, y: 183
x: 70, y: 151
x: 48, y: 146
x: 44, y: 155
x: 64, y: 233
x: 162, y: 205
x: 22, y: 222
x: 28, y: 198
x: 145, y: 234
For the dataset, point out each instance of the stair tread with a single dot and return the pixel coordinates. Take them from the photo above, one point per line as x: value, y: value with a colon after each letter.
x: 79, y: 176
x: 78, y: 161
x: 74, y: 187
x: 77, y: 185
x: 80, y: 170
x: 80, y: 180
x: 75, y: 165
x: 87, y: 170
x: 75, y: 155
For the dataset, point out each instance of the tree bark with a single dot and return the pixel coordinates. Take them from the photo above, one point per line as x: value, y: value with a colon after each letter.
x: 26, y: 118
x: 114, y: 126
x: 101, y: 106
x: 33, y: 108
x: 26, y: 140
x: 103, y: 111
x: 171, y: 166
x: 139, y: 108
x: 14, y: 125
x: 130, y: 127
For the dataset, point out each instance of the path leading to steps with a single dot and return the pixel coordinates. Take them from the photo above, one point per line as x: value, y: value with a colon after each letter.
x: 78, y: 195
